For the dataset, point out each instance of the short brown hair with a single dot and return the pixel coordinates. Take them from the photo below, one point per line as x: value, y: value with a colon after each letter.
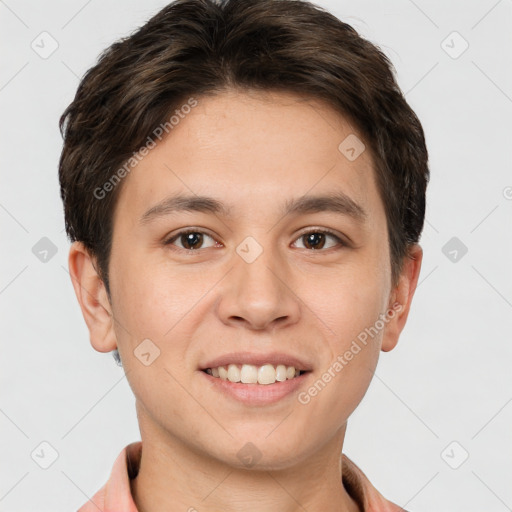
x: 203, y: 47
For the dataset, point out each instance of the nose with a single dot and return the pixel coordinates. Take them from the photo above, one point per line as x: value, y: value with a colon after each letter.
x: 258, y: 295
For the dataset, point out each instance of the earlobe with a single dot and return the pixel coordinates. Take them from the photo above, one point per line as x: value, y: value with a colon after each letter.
x: 401, y: 298
x: 92, y: 297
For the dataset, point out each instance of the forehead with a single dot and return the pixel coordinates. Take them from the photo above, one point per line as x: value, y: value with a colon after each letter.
x: 248, y: 149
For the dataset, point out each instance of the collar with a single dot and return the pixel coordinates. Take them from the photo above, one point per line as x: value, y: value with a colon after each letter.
x: 116, y: 495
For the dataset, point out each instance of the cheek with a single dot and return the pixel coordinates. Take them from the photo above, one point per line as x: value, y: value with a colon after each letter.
x: 349, y: 308
x: 149, y: 298
x: 348, y: 300
x: 352, y: 348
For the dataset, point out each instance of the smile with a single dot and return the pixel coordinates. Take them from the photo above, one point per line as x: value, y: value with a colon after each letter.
x: 251, y: 374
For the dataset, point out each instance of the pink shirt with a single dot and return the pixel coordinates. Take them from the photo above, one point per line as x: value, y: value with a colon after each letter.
x: 115, y: 495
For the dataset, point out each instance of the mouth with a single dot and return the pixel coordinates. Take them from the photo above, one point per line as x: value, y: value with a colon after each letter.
x: 251, y: 374
x: 256, y: 380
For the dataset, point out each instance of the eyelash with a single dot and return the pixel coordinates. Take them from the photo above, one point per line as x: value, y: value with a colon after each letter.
x: 323, y: 231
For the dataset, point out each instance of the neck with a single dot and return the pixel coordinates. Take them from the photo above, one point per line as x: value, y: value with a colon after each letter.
x: 174, y: 476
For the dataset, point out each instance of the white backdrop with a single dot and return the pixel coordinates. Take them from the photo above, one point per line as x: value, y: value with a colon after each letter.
x: 433, y: 433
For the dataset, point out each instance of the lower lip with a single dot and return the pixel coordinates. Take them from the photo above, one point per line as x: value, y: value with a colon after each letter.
x: 257, y: 394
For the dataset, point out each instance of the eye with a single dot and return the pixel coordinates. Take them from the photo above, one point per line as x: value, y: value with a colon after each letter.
x: 316, y: 239
x: 191, y: 240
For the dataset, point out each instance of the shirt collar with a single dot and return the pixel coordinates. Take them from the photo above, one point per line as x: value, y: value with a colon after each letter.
x: 116, y: 494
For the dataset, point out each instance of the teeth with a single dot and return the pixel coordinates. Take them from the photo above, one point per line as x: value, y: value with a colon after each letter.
x: 266, y: 374
x: 281, y: 372
x: 234, y: 373
x: 250, y: 374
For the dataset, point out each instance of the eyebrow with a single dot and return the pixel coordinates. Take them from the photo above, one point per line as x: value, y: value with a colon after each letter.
x: 337, y: 203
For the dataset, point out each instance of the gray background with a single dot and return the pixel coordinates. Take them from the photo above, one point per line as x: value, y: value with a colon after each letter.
x: 449, y: 378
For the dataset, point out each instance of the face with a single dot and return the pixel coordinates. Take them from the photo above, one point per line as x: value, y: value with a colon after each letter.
x: 248, y: 237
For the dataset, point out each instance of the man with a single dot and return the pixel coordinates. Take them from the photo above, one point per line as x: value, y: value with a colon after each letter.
x: 244, y: 185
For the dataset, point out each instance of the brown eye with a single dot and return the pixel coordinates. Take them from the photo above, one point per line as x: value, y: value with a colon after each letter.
x: 316, y: 240
x: 189, y: 240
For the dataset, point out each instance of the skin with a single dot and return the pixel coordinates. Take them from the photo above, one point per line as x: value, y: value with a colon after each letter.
x: 251, y: 151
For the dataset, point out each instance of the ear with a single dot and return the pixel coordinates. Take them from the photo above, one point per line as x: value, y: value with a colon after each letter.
x: 401, y: 298
x: 92, y: 297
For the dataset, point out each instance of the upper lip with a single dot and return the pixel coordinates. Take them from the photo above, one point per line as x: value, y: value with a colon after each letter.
x: 256, y: 359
